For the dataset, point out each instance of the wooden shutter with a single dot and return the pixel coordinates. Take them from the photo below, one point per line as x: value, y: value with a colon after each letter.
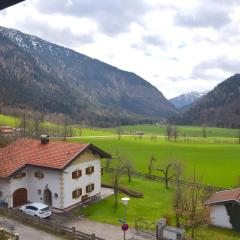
x: 76, y: 174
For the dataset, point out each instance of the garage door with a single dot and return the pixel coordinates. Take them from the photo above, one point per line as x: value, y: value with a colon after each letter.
x: 20, y: 197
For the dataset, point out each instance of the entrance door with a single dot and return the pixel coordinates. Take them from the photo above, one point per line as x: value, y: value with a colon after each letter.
x: 20, y: 197
x: 47, y: 197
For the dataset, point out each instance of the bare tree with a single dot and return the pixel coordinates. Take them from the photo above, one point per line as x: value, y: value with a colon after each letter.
x: 178, y: 194
x: 169, y: 131
x: 175, y: 133
x: 152, y: 160
x: 128, y: 165
x: 204, y: 132
x: 189, y: 205
x: 119, y: 132
x: 168, y: 172
x: 23, y: 123
x: 116, y: 174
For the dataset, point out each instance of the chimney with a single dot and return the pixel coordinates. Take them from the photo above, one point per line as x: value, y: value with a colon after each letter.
x: 44, y: 139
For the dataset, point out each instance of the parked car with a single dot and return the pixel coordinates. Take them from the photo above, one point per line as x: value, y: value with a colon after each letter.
x: 36, y: 209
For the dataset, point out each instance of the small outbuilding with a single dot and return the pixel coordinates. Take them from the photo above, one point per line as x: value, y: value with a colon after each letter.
x: 224, y: 207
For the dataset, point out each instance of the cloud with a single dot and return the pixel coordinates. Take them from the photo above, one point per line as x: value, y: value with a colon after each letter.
x: 154, y: 40
x: 63, y: 36
x: 204, y: 15
x: 112, y: 16
x: 211, y: 69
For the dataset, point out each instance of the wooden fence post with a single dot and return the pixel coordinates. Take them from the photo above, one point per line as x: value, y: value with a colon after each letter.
x: 93, y: 236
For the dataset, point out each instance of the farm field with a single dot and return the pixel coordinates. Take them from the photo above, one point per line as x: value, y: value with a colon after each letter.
x: 216, y: 164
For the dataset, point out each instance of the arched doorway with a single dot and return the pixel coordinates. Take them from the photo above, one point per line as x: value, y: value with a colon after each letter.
x: 47, y: 197
x: 20, y: 197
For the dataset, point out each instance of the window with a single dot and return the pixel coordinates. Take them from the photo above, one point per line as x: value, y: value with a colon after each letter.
x: 31, y: 208
x: 20, y: 175
x: 55, y: 195
x: 89, y: 170
x: 76, y: 174
x: 39, y: 191
x: 39, y: 175
x: 89, y: 188
x: 76, y: 193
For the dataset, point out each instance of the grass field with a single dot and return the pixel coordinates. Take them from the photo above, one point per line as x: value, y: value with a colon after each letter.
x: 187, y: 131
x: 217, y: 164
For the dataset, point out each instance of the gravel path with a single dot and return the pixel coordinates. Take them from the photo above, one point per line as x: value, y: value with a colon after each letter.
x: 26, y: 232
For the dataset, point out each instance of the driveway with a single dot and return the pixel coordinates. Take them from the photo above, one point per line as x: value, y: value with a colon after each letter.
x: 25, y: 232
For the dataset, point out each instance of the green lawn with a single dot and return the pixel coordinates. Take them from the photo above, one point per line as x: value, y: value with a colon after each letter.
x: 8, y: 120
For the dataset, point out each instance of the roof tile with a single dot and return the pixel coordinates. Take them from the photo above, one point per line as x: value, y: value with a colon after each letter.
x: 27, y: 151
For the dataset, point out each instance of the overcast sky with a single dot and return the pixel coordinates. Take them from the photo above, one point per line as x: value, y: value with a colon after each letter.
x: 178, y: 46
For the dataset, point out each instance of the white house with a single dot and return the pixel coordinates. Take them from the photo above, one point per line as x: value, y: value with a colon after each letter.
x: 59, y: 174
x: 224, y: 208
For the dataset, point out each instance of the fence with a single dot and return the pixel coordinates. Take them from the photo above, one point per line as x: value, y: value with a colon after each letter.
x: 162, y: 179
x: 49, y: 225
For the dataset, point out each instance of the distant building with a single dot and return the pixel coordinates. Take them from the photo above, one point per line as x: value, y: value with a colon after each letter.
x: 139, y: 133
x: 224, y: 207
x: 59, y: 174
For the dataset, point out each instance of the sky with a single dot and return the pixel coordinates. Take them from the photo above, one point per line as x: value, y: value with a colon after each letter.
x: 178, y: 46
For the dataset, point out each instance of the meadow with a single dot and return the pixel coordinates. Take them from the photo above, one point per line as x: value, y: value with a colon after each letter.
x: 216, y: 164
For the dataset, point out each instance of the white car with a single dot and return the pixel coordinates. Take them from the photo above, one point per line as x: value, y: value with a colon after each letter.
x: 36, y: 209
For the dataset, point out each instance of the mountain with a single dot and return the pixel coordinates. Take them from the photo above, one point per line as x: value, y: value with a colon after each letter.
x: 41, y: 76
x: 184, y: 101
x: 220, y: 107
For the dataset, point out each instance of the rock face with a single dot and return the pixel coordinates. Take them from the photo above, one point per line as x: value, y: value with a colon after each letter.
x: 220, y: 107
x: 42, y: 76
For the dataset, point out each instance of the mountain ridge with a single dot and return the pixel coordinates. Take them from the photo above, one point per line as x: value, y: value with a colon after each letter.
x: 85, y: 88
x: 220, y: 107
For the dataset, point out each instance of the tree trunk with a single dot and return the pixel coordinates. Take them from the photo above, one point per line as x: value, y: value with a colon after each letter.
x: 129, y: 175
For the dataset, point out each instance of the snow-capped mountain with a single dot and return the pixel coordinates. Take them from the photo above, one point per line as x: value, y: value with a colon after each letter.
x: 187, y: 99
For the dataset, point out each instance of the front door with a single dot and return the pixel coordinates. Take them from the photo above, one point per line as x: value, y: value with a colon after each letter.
x: 20, y: 197
x: 47, y: 197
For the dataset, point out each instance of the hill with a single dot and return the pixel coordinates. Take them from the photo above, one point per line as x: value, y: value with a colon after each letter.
x: 41, y: 76
x: 184, y: 101
x: 220, y: 107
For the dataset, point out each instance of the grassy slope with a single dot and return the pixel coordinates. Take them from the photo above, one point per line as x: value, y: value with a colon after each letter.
x: 217, y: 164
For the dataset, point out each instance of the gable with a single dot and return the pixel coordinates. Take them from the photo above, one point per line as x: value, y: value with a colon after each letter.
x: 86, y: 156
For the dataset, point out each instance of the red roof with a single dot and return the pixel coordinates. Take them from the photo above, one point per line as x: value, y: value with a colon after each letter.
x: 225, y: 196
x: 52, y: 155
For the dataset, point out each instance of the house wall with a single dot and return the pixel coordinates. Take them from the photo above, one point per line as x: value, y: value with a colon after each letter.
x: 4, y: 188
x: 51, y: 180
x: 86, y: 159
x: 219, y: 216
